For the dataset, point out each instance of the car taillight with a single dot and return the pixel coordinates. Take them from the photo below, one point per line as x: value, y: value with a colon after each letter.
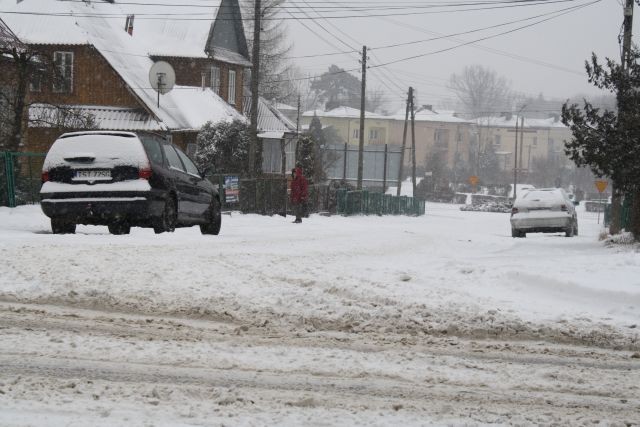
x: 45, y: 176
x: 563, y: 208
x: 514, y: 211
x: 144, y: 173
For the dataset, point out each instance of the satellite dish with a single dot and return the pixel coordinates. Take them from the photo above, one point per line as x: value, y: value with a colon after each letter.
x: 162, y: 77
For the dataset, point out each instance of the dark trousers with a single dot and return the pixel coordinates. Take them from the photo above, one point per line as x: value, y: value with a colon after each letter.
x: 298, y: 210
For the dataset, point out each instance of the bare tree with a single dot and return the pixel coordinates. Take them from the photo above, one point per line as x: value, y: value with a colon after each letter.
x: 481, y: 91
x: 21, y: 66
x: 275, y: 78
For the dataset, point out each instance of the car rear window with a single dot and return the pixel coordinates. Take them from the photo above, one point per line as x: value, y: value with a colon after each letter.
x: 103, y: 149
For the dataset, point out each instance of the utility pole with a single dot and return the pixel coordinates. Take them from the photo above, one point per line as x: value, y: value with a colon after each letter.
x: 404, y: 141
x: 616, y: 195
x: 515, y: 163
x: 521, y: 142
x: 413, y: 147
x: 362, y: 105
x: 295, y: 154
x: 255, y: 69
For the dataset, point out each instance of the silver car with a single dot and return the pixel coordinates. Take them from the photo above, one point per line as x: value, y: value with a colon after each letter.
x: 546, y: 210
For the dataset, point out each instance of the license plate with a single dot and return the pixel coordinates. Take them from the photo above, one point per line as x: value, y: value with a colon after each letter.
x: 92, y: 175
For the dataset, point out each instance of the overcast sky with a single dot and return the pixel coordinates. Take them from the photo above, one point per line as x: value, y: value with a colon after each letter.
x: 562, y: 43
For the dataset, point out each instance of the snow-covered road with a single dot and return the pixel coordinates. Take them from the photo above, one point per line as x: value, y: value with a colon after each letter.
x: 432, y: 320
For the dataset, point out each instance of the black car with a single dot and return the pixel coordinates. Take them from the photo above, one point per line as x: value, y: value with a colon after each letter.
x: 124, y: 180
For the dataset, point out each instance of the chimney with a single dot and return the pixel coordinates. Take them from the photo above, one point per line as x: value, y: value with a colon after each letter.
x: 128, y: 27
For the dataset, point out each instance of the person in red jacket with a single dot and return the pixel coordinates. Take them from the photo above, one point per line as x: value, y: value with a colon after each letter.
x: 299, y: 193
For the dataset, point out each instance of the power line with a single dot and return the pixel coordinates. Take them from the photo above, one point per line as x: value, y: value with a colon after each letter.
x: 196, y: 16
x: 487, y: 37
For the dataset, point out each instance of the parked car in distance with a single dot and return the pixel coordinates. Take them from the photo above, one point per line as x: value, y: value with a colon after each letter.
x: 124, y: 180
x: 545, y: 210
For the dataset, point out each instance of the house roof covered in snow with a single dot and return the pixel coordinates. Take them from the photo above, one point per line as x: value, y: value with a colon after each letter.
x: 184, y: 108
x: 429, y: 115
x: 342, y: 112
x: 510, y: 122
x: 105, y: 118
x: 271, y: 122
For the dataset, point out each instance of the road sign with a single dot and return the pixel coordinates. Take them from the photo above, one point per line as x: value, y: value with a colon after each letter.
x: 473, y: 180
x: 601, y: 185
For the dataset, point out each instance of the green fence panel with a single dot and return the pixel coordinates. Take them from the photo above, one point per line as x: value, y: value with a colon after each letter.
x: 20, y: 178
x: 341, y: 201
x: 625, y: 212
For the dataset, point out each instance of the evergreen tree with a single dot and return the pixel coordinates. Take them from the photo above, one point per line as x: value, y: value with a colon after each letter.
x: 225, y: 146
x: 607, y: 141
x: 306, y: 155
x: 489, y: 166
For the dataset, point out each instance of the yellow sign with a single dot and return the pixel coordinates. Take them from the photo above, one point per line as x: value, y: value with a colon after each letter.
x: 473, y: 180
x: 601, y: 185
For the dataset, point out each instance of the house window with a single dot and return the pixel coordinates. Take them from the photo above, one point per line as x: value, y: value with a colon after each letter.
x: 35, y: 85
x: 373, y: 134
x: 441, y: 138
x: 356, y: 133
x: 232, y: 87
x: 215, y: 79
x: 497, y: 140
x: 63, y: 81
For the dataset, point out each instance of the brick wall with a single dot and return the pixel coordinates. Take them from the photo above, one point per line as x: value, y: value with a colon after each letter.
x: 189, y: 73
x: 94, y: 81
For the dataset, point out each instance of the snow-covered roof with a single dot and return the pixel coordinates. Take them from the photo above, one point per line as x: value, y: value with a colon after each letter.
x: 342, y: 112
x: 270, y: 120
x: 105, y: 118
x: 45, y: 22
x: 284, y: 107
x: 167, y: 30
x: 427, y: 115
x: 510, y: 122
x: 183, y: 108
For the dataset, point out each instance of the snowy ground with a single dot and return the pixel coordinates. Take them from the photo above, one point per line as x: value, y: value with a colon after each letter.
x: 436, y: 320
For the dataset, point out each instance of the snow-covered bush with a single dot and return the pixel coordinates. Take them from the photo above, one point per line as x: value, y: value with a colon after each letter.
x: 225, y: 146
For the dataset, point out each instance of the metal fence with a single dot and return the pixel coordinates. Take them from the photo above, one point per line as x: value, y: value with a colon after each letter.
x: 20, y: 182
x: 380, y: 163
x: 364, y: 202
x: 20, y: 178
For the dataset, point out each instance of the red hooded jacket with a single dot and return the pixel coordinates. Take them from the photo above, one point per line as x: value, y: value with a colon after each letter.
x: 299, y: 187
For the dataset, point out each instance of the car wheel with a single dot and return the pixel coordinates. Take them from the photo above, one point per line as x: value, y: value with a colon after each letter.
x: 60, y: 226
x: 569, y: 232
x: 517, y: 233
x: 119, y: 228
x: 167, y: 222
x: 214, y: 219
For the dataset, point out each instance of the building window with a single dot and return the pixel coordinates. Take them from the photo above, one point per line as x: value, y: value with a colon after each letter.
x: 497, y: 140
x: 356, y: 134
x: 215, y: 79
x: 232, y: 87
x: 373, y: 134
x: 63, y: 81
x: 441, y: 139
x: 535, y: 141
x: 35, y: 85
